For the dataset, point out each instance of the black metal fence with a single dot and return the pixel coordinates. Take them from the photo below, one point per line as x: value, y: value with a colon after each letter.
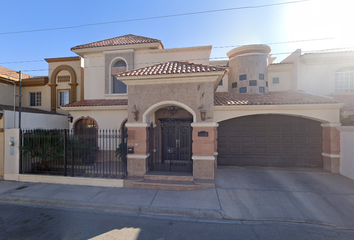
x: 97, y: 153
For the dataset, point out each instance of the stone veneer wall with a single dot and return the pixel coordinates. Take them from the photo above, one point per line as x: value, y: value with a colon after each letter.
x: 198, y: 96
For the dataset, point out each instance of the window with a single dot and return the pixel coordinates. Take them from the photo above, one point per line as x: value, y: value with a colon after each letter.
x: 234, y: 85
x: 276, y: 80
x: 243, y: 90
x: 243, y: 77
x: 220, y: 83
x: 35, y: 99
x: 253, y: 82
x: 261, y: 89
x: 266, y: 83
x: 118, y: 86
x: 344, y: 80
x: 261, y: 76
x: 63, y: 98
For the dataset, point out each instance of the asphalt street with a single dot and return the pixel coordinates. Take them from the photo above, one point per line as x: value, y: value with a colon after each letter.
x: 18, y: 221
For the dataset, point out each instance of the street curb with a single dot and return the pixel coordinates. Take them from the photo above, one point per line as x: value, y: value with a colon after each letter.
x: 138, y: 210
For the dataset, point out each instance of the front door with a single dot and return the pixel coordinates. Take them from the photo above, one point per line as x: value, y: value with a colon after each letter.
x: 171, y: 146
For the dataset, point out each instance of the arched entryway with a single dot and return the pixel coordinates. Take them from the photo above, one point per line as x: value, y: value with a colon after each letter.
x: 270, y: 140
x: 171, y: 140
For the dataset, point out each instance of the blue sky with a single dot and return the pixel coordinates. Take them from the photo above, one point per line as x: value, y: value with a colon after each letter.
x: 312, y: 19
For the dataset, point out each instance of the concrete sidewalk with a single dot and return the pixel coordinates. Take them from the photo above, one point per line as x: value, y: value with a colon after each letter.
x: 256, y: 194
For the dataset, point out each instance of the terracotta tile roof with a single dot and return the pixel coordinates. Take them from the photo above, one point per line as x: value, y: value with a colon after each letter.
x: 116, y: 41
x: 347, y: 99
x: 273, y: 98
x: 26, y: 109
x: 334, y: 50
x: 172, y: 67
x: 12, y: 73
x: 98, y: 102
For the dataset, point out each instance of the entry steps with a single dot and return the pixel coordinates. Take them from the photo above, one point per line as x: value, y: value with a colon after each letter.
x: 171, y: 181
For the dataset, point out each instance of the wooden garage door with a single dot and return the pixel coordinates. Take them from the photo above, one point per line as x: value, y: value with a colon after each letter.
x: 270, y: 140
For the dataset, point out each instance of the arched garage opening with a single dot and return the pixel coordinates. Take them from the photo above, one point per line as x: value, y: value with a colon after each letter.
x: 270, y: 140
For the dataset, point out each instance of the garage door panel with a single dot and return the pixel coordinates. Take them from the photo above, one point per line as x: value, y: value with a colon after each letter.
x: 270, y: 140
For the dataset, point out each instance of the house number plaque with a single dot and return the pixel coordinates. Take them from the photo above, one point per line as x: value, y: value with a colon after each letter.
x: 203, y: 134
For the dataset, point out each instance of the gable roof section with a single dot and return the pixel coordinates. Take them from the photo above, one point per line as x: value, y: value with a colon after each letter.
x: 173, y: 67
x: 116, y: 41
x: 98, y: 103
x: 5, y: 72
x: 272, y: 98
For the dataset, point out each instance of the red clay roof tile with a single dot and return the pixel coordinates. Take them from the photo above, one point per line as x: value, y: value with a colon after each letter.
x: 272, y: 98
x: 98, y: 102
x: 116, y: 41
x: 172, y: 67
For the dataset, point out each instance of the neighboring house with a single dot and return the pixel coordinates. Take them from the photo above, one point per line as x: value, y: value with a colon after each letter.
x: 35, y: 106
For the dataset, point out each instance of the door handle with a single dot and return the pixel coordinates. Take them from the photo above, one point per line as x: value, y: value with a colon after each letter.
x: 177, y: 143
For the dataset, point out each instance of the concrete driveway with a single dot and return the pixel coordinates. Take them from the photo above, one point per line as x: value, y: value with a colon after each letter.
x: 300, y: 195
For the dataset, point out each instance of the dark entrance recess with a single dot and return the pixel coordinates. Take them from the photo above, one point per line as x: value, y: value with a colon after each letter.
x: 270, y: 140
x: 171, y: 146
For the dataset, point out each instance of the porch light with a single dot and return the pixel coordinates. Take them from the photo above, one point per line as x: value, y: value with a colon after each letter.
x: 172, y: 110
x: 202, y: 114
x: 70, y: 118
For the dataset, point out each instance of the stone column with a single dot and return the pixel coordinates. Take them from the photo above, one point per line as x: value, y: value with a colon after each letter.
x: 204, y: 147
x: 138, y: 138
x: 331, y: 147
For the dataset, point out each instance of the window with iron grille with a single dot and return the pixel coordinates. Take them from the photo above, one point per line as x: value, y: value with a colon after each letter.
x: 234, y: 85
x: 276, y: 80
x: 243, y: 90
x: 261, y: 76
x: 253, y: 83
x: 35, y: 99
x: 220, y: 83
x: 261, y: 89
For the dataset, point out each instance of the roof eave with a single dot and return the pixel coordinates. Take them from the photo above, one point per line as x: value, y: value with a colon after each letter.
x: 83, y: 51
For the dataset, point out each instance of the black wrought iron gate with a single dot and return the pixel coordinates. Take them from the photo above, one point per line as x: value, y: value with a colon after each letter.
x: 171, y: 146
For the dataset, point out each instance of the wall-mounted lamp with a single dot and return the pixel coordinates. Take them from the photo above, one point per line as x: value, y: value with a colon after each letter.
x: 12, y: 142
x: 202, y: 114
x: 1, y: 114
x: 70, y: 118
x: 172, y: 110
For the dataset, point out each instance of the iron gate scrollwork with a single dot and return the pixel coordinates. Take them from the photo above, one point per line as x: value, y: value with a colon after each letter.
x: 171, y: 146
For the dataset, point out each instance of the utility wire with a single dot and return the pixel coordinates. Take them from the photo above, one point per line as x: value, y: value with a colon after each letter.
x: 229, y: 46
x: 150, y: 18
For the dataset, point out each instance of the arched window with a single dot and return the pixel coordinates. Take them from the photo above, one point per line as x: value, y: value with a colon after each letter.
x: 344, y: 80
x: 118, y: 86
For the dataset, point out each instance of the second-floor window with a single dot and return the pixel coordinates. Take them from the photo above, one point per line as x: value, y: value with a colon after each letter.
x: 35, y: 99
x: 344, y: 80
x: 118, y: 86
x: 63, y: 98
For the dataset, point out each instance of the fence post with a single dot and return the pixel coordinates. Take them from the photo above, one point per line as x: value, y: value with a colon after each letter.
x: 65, y: 152
x: 20, y: 151
x: 72, y: 153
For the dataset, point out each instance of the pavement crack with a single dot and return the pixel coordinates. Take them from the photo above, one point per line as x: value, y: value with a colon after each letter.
x: 152, y: 200
x: 255, y: 232
x: 217, y: 194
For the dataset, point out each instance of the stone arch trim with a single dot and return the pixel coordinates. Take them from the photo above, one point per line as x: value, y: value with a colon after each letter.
x: 53, y: 85
x: 159, y: 105
x: 84, y: 118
